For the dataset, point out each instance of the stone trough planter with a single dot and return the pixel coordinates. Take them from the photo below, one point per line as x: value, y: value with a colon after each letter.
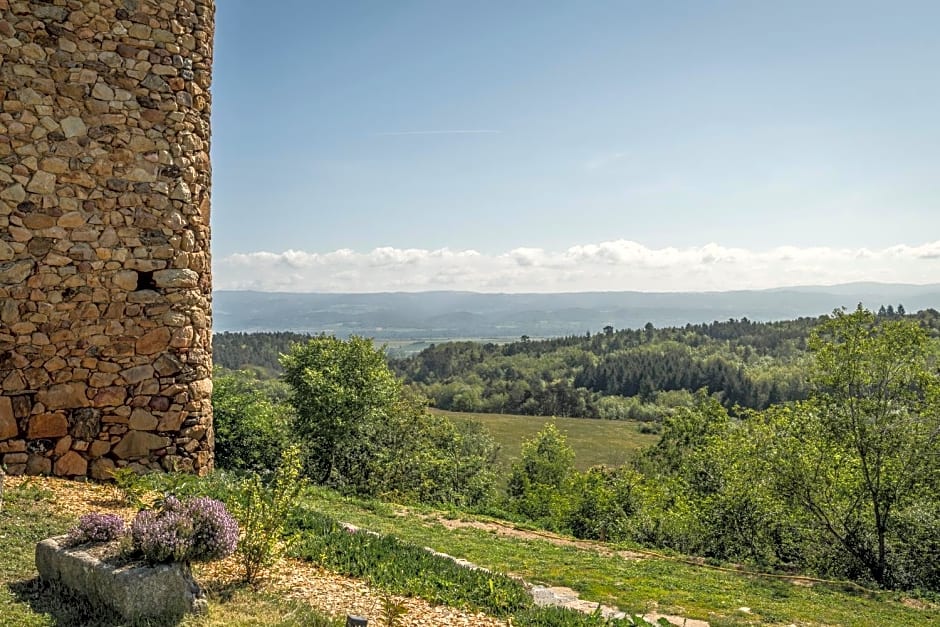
x: 133, y: 589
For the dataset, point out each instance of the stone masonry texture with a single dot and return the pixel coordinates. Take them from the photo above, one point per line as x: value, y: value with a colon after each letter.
x: 105, y: 282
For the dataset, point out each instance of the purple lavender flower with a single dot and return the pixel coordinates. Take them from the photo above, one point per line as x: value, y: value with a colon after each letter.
x: 198, y: 530
x: 215, y: 532
x: 96, y: 527
x: 161, y: 535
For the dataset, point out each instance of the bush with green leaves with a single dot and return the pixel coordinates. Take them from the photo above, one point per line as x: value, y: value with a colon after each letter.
x: 549, y: 616
x: 538, y: 481
x: 603, y: 502
x: 262, y: 509
x: 363, y: 434
x: 251, y: 418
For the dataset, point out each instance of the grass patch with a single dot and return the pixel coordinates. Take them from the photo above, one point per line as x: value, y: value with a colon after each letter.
x: 594, y: 441
x: 641, y: 585
x: 404, y: 568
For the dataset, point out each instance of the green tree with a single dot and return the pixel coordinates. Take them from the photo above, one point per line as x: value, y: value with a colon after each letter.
x: 251, y: 421
x: 865, y: 446
x: 340, y: 390
x: 538, y: 479
x: 365, y: 434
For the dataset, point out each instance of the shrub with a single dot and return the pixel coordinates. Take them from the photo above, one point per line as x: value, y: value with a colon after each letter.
x: 536, y: 484
x: 97, y: 527
x: 131, y: 485
x: 198, y: 530
x: 215, y: 532
x: 262, y: 510
x: 250, y: 419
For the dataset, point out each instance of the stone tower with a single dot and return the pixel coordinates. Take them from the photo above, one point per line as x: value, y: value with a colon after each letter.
x: 105, y: 284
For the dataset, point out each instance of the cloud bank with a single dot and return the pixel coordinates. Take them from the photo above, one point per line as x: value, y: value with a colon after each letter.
x: 605, y: 266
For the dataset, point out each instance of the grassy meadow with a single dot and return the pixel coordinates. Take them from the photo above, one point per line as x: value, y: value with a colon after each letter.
x: 668, y: 584
x: 35, y: 509
x: 609, y: 442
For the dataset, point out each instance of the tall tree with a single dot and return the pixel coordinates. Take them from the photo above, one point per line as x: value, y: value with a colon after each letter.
x: 867, y: 443
x: 340, y: 389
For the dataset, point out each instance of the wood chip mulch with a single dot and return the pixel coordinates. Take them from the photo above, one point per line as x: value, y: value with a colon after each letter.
x: 338, y: 595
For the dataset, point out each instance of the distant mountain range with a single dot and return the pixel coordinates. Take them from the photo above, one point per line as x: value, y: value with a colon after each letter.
x: 454, y: 315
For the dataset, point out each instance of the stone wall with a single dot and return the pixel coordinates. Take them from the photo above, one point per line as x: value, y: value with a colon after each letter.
x: 105, y: 284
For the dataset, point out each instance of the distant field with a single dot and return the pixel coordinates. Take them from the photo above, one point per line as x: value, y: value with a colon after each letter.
x: 610, y: 442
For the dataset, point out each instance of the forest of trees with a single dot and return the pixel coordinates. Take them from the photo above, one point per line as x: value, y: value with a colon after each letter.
x: 750, y: 365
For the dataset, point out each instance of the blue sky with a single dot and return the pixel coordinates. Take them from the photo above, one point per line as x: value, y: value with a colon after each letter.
x: 558, y: 146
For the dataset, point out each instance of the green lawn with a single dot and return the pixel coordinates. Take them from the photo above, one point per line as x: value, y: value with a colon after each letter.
x: 610, y: 442
x: 639, y: 585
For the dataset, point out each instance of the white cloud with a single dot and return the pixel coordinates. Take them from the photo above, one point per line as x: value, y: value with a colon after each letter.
x: 612, y: 265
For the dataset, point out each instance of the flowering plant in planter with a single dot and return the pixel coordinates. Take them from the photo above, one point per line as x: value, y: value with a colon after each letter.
x: 197, y: 530
x: 97, y: 527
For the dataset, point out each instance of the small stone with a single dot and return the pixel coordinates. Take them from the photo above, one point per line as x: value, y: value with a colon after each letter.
x: 125, y: 279
x: 139, y: 444
x: 182, y: 337
x: 15, y: 458
x: 181, y: 192
x: 71, y: 220
x: 101, y: 469
x: 99, y: 448
x: 14, y: 193
x: 167, y: 365
x: 73, y: 127
x: 137, y: 374
x: 102, y: 92
x: 12, y: 273
x: 54, y: 165
x: 64, y: 395
x: 202, y: 388
x: 176, y: 278
x: 6, y: 251
x: 142, y: 420
x: 42, y: 183
x: 47, y: 426
x: 153, y: 342
x: 171, y: 421
x: 112, y: 396
x: 71, y: 464
x: 8, y: 428
x: 85, y: 424
x: 38, y: 465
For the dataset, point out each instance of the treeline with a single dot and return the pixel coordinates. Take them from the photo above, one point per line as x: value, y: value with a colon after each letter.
x: 749, y: 364
x: 641, y: 374
x: 254, y: 351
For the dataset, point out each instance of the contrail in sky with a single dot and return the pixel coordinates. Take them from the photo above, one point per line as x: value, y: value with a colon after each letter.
x: 448, y: 132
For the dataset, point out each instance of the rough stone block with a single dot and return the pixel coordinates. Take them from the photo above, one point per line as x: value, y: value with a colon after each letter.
x: 8, y: 428
x: 134, y: 590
